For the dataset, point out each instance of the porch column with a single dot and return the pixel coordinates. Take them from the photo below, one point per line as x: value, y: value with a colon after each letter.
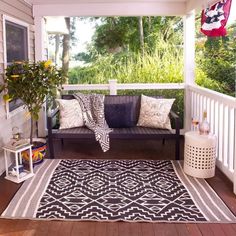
x: 40, y: 54
x: 234, y: 172
x: 39, y: 24
x: 189, y: 64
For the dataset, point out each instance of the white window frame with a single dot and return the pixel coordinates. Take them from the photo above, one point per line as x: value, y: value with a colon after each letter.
x: 10, y: 114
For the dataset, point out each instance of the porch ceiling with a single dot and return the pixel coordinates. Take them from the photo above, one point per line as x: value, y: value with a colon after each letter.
x: 96, y: 1
x: 115, y: 7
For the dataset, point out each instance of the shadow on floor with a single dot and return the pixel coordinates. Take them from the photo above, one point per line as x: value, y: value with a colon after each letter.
x: 119, y: 149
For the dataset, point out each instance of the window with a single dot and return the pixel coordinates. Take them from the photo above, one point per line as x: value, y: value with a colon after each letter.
x: 16, y: 49
x: 16, y: 42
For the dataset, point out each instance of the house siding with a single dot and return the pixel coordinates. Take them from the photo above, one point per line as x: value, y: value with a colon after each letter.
x: 19, y: 10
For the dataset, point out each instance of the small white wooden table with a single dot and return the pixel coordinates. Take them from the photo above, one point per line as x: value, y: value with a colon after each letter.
x: 199, y: 154
x: 25, y: 174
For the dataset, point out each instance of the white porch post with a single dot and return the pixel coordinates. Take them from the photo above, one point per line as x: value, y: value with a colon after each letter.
x: 189, y: 64
x: 40, y: 55
x: 113, y: 86
x: 39, y: 38
x: 234, y: 178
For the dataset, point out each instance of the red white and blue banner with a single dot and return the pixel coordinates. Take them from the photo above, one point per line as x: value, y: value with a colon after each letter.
x: 214, y: 19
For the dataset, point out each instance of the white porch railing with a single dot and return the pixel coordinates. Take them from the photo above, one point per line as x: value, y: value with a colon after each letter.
x: 113, y: 86
x: 221, y: 110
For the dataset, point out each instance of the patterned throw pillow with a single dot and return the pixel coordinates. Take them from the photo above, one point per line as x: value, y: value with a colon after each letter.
x: 70, y: 113
x: 119, y: 115
x: 154, y: 113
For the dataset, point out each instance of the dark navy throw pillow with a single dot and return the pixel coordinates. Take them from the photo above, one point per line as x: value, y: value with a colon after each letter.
x: 119, y: 115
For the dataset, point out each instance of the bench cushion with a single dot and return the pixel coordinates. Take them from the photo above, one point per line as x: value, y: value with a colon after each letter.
x: 117, y: 133
x: 70, y: 113
x: 154, y: 113
x: 119, y: 115
x: 120, y: 99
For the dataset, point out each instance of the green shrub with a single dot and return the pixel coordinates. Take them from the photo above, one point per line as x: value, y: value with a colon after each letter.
x: 204, y: 81
x: 216, y: 67
x: 164, y: 65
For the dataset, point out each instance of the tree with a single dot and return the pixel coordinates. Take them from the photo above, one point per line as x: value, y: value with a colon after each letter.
x: 141, y: 37
x: 135, y: 34
x: 64, y: 41
x: 57, y: 46
x: 32, y: 83
x: 66, y: 48
x: 219, y: 60
x: 216, y: 61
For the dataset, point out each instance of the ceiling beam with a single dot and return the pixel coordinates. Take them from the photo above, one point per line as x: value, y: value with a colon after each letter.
x: 112, y: 9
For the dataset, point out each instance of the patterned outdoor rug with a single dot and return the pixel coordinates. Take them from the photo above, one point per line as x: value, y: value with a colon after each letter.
x: 112, y: 190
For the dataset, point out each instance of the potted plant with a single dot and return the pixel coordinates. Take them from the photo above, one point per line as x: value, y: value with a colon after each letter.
x: 33, y: 83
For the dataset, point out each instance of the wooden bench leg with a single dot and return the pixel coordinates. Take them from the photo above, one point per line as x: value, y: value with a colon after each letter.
x: 62, y: 142
x: 177, y: 150
x: 50, y: 138
x: 163, y: 141
x: 51, y: 148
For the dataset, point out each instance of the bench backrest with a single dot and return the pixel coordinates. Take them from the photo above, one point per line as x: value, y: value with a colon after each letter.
x: 118, y: 99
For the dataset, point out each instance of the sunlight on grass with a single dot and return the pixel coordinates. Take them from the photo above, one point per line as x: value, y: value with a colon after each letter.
x: 164, y: 65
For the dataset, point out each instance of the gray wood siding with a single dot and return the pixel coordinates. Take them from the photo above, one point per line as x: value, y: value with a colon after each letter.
x: 1, y: 40
x: 20, y: 10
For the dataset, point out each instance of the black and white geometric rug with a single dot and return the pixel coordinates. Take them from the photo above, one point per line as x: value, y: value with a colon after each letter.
x: 117, y: 190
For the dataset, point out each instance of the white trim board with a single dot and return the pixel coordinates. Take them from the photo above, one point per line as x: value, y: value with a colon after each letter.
x: 112, y: 9
x: 21, y: 23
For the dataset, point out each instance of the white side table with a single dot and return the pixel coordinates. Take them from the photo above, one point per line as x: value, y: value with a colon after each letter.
x: 199, y: 154
x: 19, y: 177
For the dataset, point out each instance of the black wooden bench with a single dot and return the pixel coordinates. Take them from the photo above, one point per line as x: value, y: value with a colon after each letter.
x: 136, y: 132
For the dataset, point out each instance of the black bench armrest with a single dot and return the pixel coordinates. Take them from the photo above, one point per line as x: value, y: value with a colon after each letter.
x: 177, y: 134
x: 50, y: 117
x: 53, y: 113
x: 177, y: 121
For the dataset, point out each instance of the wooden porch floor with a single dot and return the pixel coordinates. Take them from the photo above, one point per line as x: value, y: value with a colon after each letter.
x: 119, y: 150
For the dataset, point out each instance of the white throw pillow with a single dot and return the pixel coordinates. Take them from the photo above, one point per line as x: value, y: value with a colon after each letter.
x: 70, y: 113
x: 154, y: 112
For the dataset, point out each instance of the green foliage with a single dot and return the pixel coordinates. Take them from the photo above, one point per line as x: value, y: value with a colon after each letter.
x: 204, y: 81
x: 219, y: 63
x: 216, y: 63
x: 2, y: 87
x: 111, y: 34
x: 32, y: 82
x: 121, y: 34
x: 164, y: 64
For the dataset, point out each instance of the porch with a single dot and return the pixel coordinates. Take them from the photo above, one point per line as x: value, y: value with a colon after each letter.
x: 221, y: 111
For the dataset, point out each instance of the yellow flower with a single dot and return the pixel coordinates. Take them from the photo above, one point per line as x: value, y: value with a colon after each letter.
x: 47, y: 63
x: 15, y: 76
x: 6, y: 98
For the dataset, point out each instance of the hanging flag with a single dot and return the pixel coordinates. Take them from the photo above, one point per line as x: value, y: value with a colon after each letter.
x: 214, y: 19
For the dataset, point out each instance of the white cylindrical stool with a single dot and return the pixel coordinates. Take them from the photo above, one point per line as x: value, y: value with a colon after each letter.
x: 199, y: 155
